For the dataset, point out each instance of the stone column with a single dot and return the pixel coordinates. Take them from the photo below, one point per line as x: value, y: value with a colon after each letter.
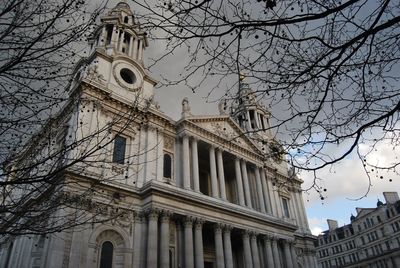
x: 275, y: 252
x: 140, y: 50
x: 239, y: 182
x: 268, y: 252
x: 260, y: 190
x: 254, y: 251
x: 311, y: 260
x: 130, y: 48
x: 271, y: 194
x: 135, y: 46
x: 164, y: 243
x: 257, y: 119
x: 228, y: 247
x: 219, y: 250
x: 247, y: 250
x: 221, y: 175
x: 248, y: 120
x: 303, y: 211
x: 279, y: 209
x: 138, y: 252
x: 103, y: 36
x: 298, y: 208
x: 195, y: 166
x: 213, y: 170
x: 246, y: 183
x: 121, y: 39
x: 114, y: 37
x: 198, y: 244
x: 186, y: 162
x: 265, y: 190
x: 188, y: 225
x: 152, y: 252
x: 288, y: 256
x: 293, y: 254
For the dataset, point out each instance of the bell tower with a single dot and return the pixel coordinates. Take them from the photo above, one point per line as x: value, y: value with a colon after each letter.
x: 120, y: 34
x: 116, y: 58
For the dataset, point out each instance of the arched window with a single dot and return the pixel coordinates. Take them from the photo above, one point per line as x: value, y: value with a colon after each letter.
x: 167, y: 166
x: 126, y: 19
x: 106, y: 256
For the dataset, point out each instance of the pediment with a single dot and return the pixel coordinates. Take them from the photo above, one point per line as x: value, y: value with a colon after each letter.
x: 226, y: 128
x: 363, y: 211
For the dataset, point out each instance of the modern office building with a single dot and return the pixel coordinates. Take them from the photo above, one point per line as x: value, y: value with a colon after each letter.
x: 203, y: 191
x: 372, y: 239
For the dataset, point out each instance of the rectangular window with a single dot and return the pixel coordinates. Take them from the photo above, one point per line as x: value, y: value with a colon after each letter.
x: 285, y: 205
x: 119, y: 149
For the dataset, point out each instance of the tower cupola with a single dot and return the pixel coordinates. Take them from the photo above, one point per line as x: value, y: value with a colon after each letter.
x: 248, y: 112
x: 120, y: 34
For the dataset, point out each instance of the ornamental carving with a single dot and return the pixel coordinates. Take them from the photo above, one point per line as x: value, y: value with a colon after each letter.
x: 93, y: 74
x: 223, y: 131
x: 169, y: 143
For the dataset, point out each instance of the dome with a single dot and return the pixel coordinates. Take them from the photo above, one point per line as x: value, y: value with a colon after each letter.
x: 352, y: 218
x: 379, y: 203
x: 122, y: 5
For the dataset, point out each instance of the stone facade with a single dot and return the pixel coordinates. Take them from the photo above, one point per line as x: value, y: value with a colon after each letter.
x: 372, y: 239
x: 203, y: 191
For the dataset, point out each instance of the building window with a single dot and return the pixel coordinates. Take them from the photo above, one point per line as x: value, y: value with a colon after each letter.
x: 109, y: 31
x: 106, y: 255
x: 167, y: 169
x: 119, y: 149
x: 285, y: 205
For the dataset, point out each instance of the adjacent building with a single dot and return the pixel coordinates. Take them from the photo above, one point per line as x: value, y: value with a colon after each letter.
x: 372, y: 239
x: 203, y: 191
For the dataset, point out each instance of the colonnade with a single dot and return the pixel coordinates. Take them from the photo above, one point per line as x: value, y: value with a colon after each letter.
x: 190, y: 170
x: 133, y: 46
x: 265, y: 199
x: 259, y: 250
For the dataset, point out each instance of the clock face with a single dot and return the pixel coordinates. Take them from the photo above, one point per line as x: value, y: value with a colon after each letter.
x: 127, y: 76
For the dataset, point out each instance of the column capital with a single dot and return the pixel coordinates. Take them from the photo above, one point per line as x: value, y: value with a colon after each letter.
x: 253, y: 235
x: 183, y: 134
x: 199, y: 223
x: 218, y: 227
x: 165, y: 215
x: 152, y: 213
x: 246, y: 233
x: 188, y: 221
x: 219, y: 149
x: 228, y: 228
x: 290, y: 241
x: 138, y: 217
x: 275, y: 238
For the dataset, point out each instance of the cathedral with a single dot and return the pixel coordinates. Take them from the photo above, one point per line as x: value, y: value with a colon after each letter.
x: 205, y: 191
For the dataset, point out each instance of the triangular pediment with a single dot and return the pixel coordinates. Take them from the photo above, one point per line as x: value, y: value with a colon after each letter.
x: 226, y: 128
x: 363, y: 211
